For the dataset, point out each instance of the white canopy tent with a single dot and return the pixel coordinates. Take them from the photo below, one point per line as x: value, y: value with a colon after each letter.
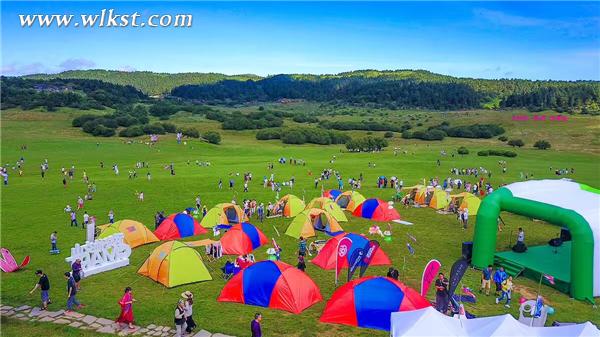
x: 429, y: 322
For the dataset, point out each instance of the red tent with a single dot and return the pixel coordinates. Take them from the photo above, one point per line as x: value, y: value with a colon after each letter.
x: 242, y: 239
x: 179, y: 225
x: 328, y: 254
x: 376, y: 210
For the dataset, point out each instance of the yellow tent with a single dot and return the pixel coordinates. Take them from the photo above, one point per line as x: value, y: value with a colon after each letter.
x: 349, y: 200
x: 329, y: 206
x: 467, y: 200
x: 223, y: 214
x: 305, y: 223
x: 289, y: 206
x: 420, y: 195
x: 439, y: 199
x: 135, y: 233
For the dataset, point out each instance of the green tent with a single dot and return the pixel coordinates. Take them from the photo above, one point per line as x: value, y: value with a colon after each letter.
x: 329, y: 206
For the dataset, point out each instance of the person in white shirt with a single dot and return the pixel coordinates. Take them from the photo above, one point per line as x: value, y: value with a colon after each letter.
x: 188, y: 298
x: 86, y: 219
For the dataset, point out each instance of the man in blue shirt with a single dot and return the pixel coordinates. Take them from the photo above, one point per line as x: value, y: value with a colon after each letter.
x: 486, y: 276
x: 255, y: 325
x: 499, y: 277
x: 71, y: 292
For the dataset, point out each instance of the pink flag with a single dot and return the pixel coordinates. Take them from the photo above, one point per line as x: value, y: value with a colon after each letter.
x: 429, y: 274
x: 343, y: 249
x: 8, y: 263
x: 550, y: 278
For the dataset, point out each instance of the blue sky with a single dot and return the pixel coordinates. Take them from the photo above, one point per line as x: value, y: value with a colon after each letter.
x: 533, y: 40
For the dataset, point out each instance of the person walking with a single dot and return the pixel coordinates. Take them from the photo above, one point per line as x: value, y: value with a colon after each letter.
x: 44, y: 285
x: 441, y: 293
x: 71, y: 294
x: 255, y: 327
x: 486, y: 280
x: 499, y: 277
x: 301, y: 264
x: 302, y: 246
x: 180, y: 318
x: 126, y: 303
x: 507, y: 287
x: 188, y: 297
x: 76, y: 272
x: 73, y: 218
x: 465, y: 217
x: 53, y: 239
x: 111, y: 217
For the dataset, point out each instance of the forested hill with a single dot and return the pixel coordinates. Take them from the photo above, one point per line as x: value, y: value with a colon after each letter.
x: 148, y: 82
x: 405, y: 89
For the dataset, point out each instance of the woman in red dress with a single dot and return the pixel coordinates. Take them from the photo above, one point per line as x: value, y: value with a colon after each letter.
x: 126, y: 304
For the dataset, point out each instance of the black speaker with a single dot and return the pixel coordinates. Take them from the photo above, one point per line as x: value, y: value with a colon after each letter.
x: 467, y: 250
x: 565, y: 235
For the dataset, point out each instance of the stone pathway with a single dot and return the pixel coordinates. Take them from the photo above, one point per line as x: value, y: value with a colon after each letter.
x: 88, y: 322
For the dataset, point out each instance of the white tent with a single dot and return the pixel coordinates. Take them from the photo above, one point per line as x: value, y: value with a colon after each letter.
x: 429, y: 322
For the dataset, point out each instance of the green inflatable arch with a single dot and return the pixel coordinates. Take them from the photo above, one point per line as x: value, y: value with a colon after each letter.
x: 582, y: 245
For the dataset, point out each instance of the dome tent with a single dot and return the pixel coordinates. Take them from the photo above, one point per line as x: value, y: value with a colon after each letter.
x: 439, y: 199
x: 223, y: 214
x: 332, y: 194
x: 179, y: 225
x: 272, y: 284
x: 134, y: 233
x: 560, y: 202
x: 289, y: 206
x: 326, y: 259
x: 376, y: 210
x: 242, y: 239
x: 329, y: 206
x: 349, y: 200
x: 305, y: 223
x: 173, y: 263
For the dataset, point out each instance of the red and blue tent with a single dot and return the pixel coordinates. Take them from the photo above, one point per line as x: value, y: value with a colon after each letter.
x: 376, y: 210
x: 272, y: 284
x: 178, y: 225
x: 368, y: 302
x: 242, y: 239
x: 327, y: 256
x: 332, y: 194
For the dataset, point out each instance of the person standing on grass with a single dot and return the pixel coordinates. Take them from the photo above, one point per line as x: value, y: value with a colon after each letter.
x: 260, y: 211
x: 441, y: 293
x: 499, y: 277
x: 44, y: 285
x: 71, y: 294
x: 465, y: 217
x: 111, y: 217
x: 486, y: 280
x: 302, y: 246
x: 126, y: 304
x: 180, y: 318
x: 301, y: 264
x: 79, y: 203
x: 198, y: 202
x: 188, y: 298
x: 507, y: 287
x: 141, y: 196
x: 53, y: 238
x: 76, y: 268
x: 86, y: 220
x: 73, y: 219
x: 255, y: 327
x: 220, y: 183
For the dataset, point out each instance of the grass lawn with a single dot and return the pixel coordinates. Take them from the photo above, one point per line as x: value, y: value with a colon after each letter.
x: 31, y: 208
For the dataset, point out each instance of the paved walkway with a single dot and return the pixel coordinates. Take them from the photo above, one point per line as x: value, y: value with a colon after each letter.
x: 88, y: 322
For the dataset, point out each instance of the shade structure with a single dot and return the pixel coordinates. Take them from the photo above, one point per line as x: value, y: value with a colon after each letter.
x: 439, y: 199
x: 178, y: 225
x: 289, y: 206
x: 174, y: 263
x: 376, y: 210
x: 329, y: 206
x: 368, y: 302
x: 332, y: 194
x: 223, y: 214
x: 349, y: 200
x: 272, y: 284
x: 305, y: 223
x: 134, y: 233
x: 429, y: 322
x: 242, y: 239
x: 327, y: 257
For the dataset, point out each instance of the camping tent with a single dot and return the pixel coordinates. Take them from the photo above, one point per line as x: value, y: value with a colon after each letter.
x: 327, y: 257
x: 429, y: 322
x: 369, y: 301
x: 134, y: 233
x: 289, y: 205
x: 242, y: 239
x: 332, y: 194
x: 468, y: 201
x: 349, y: 200
x: 420, y: 195
x: 305, y: 223
x: 272, y: 284
x: 560, y: 202
x: 179, y: 225
x: 223, y: 214
x: 439, y: 199
x: 376, y: 210
x: 329, y: 206
x: 174, y: 263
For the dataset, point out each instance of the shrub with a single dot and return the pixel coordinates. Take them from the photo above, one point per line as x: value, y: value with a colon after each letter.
x: 501, y: 153
x: 293, y: 137
x: 212, y: 137
x: 132, y: 131
x: 367, y: 144
x: 463, y: 150
x: 267, y: 134
x: 388, y: 134
x: 169, y: 127
x: 193, y: 133
x: 79, y: 121
x: 515, y: 142
x: 101, y: 130
x: 434, y: 135
x: 302, y: 118
x: 155, y: 128
x: 502, y: 138
x: 483, y: 153
x: 542, y: 144
x: 89, y: 126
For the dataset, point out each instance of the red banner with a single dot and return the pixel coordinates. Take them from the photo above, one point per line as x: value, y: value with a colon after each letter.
x: 429, y: 274
x: 343, y: 248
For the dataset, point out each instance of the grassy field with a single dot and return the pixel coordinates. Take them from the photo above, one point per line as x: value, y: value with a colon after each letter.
x: 31, y: 208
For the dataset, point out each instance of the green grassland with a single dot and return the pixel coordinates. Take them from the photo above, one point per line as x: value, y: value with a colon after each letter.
x: 31, y: 208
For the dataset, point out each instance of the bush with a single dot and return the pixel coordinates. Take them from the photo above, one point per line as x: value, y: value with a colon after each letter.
x: 267, y: 134
x: 155, y: 128
x: 212, y: 137
x: 126, y: 120
x: 79, y: 121
x: 101, y: 130
x: 193, y: 133
x: 515, y: 142
x: 502, y: 138
x: 463, y: 150
x: 367, y: 144
x: 169, y: 127
x: 388, y: 134
x: 293, y: 137
x: 302, y: 118
x: 483, y: 153
x: 542, y: 145
x: 434, y: 135
x: 89, y: 126
x: 132, y: 131
x: 501, y: 153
